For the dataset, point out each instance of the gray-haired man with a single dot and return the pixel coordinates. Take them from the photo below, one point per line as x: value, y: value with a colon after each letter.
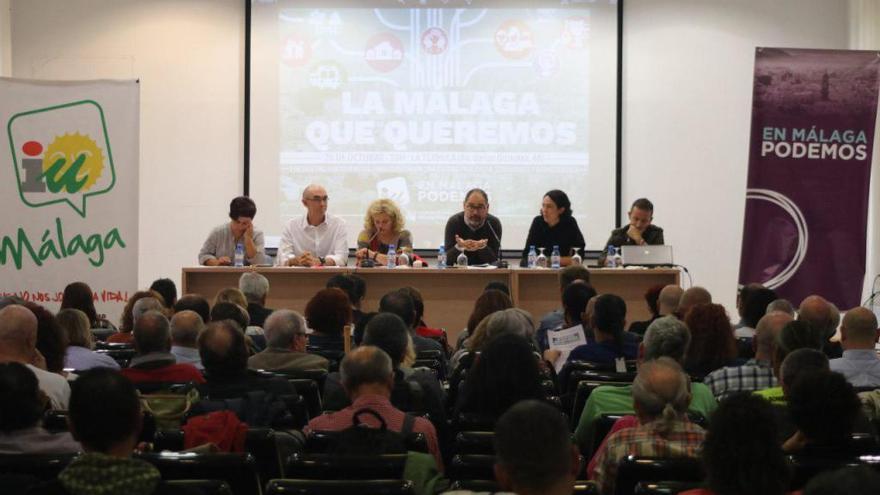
x: 286, y: 345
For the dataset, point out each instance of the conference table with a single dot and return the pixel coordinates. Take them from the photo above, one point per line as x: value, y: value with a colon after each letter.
x: 449, y: 294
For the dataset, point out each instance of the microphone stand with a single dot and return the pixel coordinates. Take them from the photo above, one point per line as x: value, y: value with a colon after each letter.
x: 368, y: 262
x: 500, y: 263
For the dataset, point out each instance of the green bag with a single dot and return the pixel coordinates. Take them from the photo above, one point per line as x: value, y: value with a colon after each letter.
x: 169, y: 408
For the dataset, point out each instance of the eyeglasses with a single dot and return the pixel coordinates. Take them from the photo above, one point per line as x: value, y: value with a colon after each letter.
x: 476, y: 207
x: 319, y: 199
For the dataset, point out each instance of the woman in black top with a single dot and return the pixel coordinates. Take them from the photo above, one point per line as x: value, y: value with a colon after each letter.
x: 554, y: 227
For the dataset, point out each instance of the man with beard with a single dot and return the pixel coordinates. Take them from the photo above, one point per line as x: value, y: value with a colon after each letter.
x: 473, y: 231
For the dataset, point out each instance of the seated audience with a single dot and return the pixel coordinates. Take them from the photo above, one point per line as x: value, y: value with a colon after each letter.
x: 740, y: 454
x: 22, y: 404
x: 651, y: 297
x: 692, y: 297
x: 742, y: 293
x: 186, y: 326
x: 347, y: 283
x: 490, y: 301
x: 154, y: 362
x: 286, y: 345
x: 78, y: 295
x: 197, y: 303
x: 712, y: 344
x: 399, y: 302
x: 859, y: 480
x: 18, y: 338
x: 327, y: 314
x: 166, y: 288
x: 669, y: 300
x: 225, y: 310
x: 666, y: 337
x: 231, y: 295
x: 794, y: 335
x: 858, y: 336
x: 754, y: 307
x: 824, y: 408
x: 512, y: 320
x: 422, y: 328
x: 575, y: 298
x: 255, y: 288
x: 556, y: 318
x: 610, y: 341
x: 105, y: 417
x: 660, y: 397
x: 80, y: 342
x: 368, y: 378
x: 757, y: 373
x: 126, y: 325
x: 824, y: 317
x: 51, y: 339
x: 497, y: 285
x: 506, y: 372
x: 795, y: 364
x: 782, y: 305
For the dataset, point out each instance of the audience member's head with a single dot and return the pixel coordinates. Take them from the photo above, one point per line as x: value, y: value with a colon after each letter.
x: 400, y: 303
x: 75, y: 324
x: 782, y: 306
x: 195, y: 302
x: 609, y: 318
x: 489, y: 302
x: 511, y: 320
x: 506, y: 372
x: 692, y: 297
x: 859, y: 329
x: 666, y: 337
x: 571, y: 274
x: 818, y: 313
x: 389, y: 333
x: 661, y: 391
x: 743, y: 293
x: 328, y: 311
x: 669, y: 300
x: 860, y: 480
x: 186, y: 326
x: 345, y: 283
x: 767, y: 333
x: 286, y: 329
x: 223, y: 350
x: 152, y: 333
x: 18, y: 334
x: 824, y: 407
x: 254, y: 286
x: 574, y: 301
x: 795, y: 334
x: 533, y: 450
x: 105, y: 412
x: 652, y: 296
x: 231, y: 295
x: 21, y: 401
x: 230, y: 311
x: 418, y: 304
x: 755, y: 305
x: 166, y: 288
x: 799, y: 362
x: 496, y: 285
x: 712, y: 342
x: 126, y: 322
x: 51, y: 339
x: 741, y: 454
x: 360, y: 288
x: 78, y: 295
x: 367, y: 370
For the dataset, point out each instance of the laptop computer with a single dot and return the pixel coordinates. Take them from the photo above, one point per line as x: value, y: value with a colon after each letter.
x: 646, y: 255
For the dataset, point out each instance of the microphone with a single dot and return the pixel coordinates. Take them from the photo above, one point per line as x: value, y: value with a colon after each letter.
x: 498, y: 261
x: 368, y: 262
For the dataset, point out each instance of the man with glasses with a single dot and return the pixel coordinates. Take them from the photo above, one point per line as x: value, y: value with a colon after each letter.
x: 473, y: 231
x: 316, y: 238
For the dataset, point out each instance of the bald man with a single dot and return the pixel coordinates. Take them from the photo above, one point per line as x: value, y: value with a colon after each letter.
x: 316, y: 238
x: 186, y: 326
x: 18, y: 339
x: 858, y: 336
x: 692, y: 297
x: 824, y: 317
x: 669, y: 299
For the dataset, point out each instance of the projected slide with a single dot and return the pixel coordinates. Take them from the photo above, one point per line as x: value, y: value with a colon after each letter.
x: 421, y: 104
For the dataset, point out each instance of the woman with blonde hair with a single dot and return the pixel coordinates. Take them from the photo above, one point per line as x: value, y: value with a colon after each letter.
x: 79, y: 354
x: 383, y: 227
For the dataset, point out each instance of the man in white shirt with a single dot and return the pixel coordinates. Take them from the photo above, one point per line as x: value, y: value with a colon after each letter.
x: 858, y: 336
x: 18, y: 339
x: 316, y: 238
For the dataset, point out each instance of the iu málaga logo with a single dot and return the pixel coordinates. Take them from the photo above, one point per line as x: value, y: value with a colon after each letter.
x: 61, y: 154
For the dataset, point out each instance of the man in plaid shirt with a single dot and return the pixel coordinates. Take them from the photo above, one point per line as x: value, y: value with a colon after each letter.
x: 755, y: 374
x: 661, y: 396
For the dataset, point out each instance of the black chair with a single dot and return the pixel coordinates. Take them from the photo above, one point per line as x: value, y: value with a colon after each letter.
x: 121, y: 356
x: 477, y: 486
x: 586, y: 382
x: 474, y: 442
x: 44, y: 467
x: 309, y: 390
x: 805, y: 467
x: 319, y: 375
x: 339, y: 487
x: 665, y: 487
x: 472, y: 467
x: 473, y: 422
x: 633, y: 470
x: 336, y: 467
x: 202, y: 487
x: 322, y: 442
x: 601, y: 427
x: 332, y: 355
x: 17, y: 483
x: 55, y: 421
x: 260, y: 442
x: 238, y: 470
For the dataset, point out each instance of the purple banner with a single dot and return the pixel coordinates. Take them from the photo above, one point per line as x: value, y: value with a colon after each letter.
x: 813, y: 114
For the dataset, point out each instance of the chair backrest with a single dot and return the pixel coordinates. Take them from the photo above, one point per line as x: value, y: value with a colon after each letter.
x: 588, y: 383
x: 121, y: 356
x: 472, y: 467
x: 202, y: 487
x: 473, y: 422
x: 806, y: 467
x: 260, y: 442
x: 322, y: 442
x: 310, y: 391
x: 601, y: 427
x: 474, y: 442
x: 55, y: 421
x: 665, y: 487
x: 633, y: 470
x: 335, y: 467
x: 238, y: 470
x: 339, y: 487
x: 41, y: 466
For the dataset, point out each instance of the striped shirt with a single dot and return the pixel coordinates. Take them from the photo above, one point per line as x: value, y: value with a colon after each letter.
x: 750, y: 377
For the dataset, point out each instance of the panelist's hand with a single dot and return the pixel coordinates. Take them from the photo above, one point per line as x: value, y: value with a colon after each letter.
x: 552, y: 355
x: 298, y: 260
x: 635, y: 234
x: 470, y: 244
x: 249, y: 233
x: 224, y: 261
x: 329, y: 262
x: 310, y: 260
x: 362, y: 253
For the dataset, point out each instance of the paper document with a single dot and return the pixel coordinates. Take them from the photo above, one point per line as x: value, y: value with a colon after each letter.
x: 564, y: 341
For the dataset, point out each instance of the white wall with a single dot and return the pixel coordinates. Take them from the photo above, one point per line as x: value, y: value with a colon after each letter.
x: 188, y: 55
x: 687, y: 98
x: 5, y: 39
x: 688, y: 68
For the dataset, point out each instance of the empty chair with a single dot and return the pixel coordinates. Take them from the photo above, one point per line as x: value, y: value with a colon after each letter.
x: 472, y: 467
x: 238, y: 470
x: 633, y: 470
x: 322, y: 442
x: 474, y: 442
x: 332, y: 467
x: 586, y: 381
x: 260, y: 442
x: 339, y: 487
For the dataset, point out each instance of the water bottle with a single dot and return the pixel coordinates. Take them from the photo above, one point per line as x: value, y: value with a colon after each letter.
x: 541, y: 260
x: 461, y: 261
x: 392, y: 256
x: 576, y: 257
x: 555, y: 259
x: 239, y: 255
x: 441, y: 257
x: 610, y: 260
x: 618, y: 259
x: 403, y: 259
x: 533, y: 257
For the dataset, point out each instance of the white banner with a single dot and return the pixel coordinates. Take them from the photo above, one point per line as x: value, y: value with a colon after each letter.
x: 69, y: 190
